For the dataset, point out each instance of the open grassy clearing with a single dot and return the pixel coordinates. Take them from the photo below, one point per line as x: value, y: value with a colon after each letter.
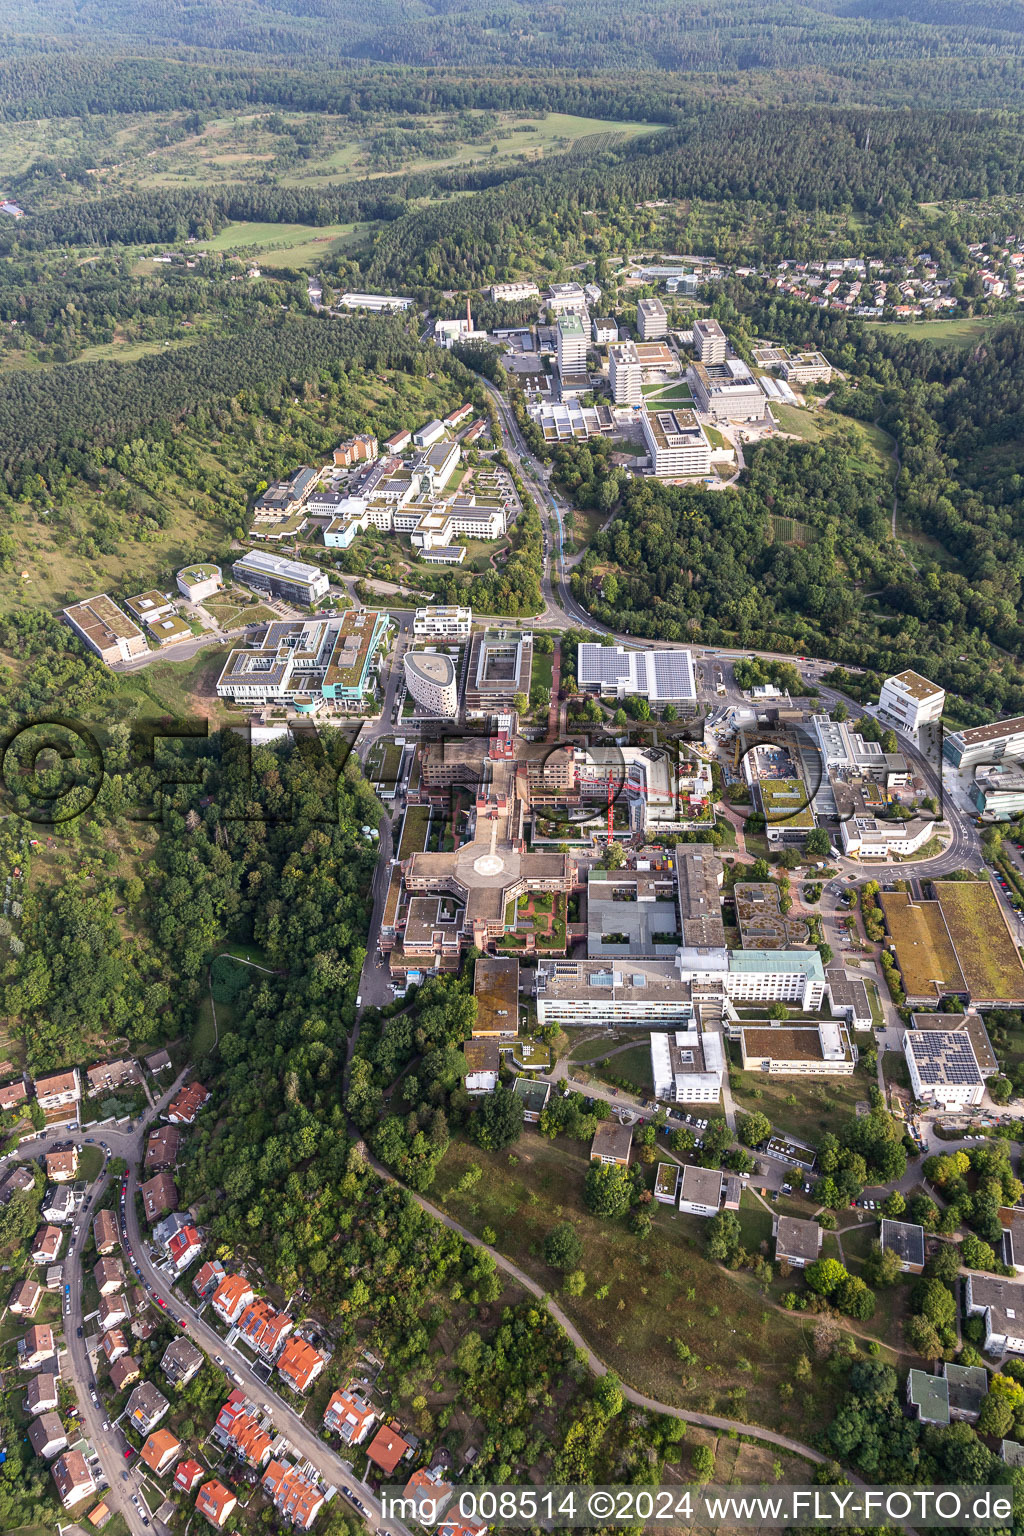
x: 658, y: 1291
x: 801, y: 1107
x: 286, y: 245
x: 964, y: 329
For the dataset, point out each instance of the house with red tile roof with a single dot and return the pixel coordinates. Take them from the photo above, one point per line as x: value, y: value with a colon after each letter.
x: 186, y: 1474
x: 300, y: 1364
x: 386, y: 1449
x: 249, y: 1441
x: 46, y: 1245
x: 114, y: 1345
x: 41, y: 1396
x: 25, y: 1298
x: 215, y: 1502
x: 187, y: 1103
x: 162, y: 1148
x: 104, y: 1232
x: 12, y: 1094
x: 350, y: 1416
x: 264, y: 1328
x: 231, y: 1297
x: 209, y: 1276
x: 183, y: 1247
x: 109, y: 1276
x: 160, y: 1451
x: 62, y: 1166
x: 296, y: 1500
x: 36, y: 1347
x: 73, y: 1478
x: 123, y: 1372
x: 430, y: 1493
x: 456, y: 1527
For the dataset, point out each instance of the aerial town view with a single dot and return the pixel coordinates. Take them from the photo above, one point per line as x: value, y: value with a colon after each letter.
x: 511, y: 768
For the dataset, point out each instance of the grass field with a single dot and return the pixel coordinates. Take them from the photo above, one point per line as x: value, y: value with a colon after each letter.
x: 632, y: 1066
x: 657, y: 1292
x: 286, y: 245
x: 667, y: 394
x: 801, y: 1107
x: 965, y: 329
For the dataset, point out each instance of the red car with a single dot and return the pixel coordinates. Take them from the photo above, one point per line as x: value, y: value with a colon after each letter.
x: 159, y: 1301
x: 128, y: 1452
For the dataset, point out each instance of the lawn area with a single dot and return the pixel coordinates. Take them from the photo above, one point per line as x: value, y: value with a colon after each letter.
x: 90, y: 1163
x: 797, y: 422
x: 658, y: 1291
x: 877, y: 1016
x: 542, y: 670
x: 964, y: 328
x: 800, y: 1107
x: 667, y: 394
x: 178, y: 688
x: 632, y: 1066
x: 589, y: 1050
x: 284, y: 245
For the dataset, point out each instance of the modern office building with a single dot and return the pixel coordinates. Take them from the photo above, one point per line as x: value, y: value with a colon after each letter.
x: 305, y: 665
x: 909, y: 701
x: 676, y: 442
x: 727, y: 391
x: 661, y: 676
x: 292, y: 580
x: 624, y: 374
x: 500, y: 666
x: 985, y: 745
x: 430, y: 679
x: 197, y: 582
x: 603, y: 331
x: 442, y: 623
x: 709, y: 341
x: 687, y: 1066
x: 822, y: 1050
x: 564, y: 297
x: 651, y: 319
x: 998, y: 792
x: 102, y: 626
x: 943, y: 1068
x: 509, y: 292
x: 571, y: 344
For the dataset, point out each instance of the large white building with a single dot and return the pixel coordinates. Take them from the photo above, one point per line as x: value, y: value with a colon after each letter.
x: 571, y: 344
x: 378, y: 303
x: 1001, y: 1303
x: 709, y: 341
x: 430, y: 678
x: 563, y: 297
x: 727, y: 391
x: 624, y: 374
x: 436, y: 622
x: 676, y: 442
x: 512, y: 291
x: 943, y: 1068
x: 909, y: 701
x: 662, y: 677
x: 651, y: 319
x: 293, y: 580
x: 986, y: 745
x: 687, y: 1066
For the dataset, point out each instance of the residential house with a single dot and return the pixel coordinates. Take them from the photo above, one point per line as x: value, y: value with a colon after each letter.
x: 215, y: 1502
x: 113, y: 1311
x: 184, y: 1247
x: 17, y: 1182
x: 159, y: 1061
x: 162, y: 1148
x: 124, y: 1372
x: 181, y: 1361
x: 61, y: 1166
x: 60, y: 1203
x: 165, y: 1229
x: 300, y: 1364
x: 798, y: 1242
x: 296, y: 1499
x: 46, y: 1436
x: 386, y: 1449
x: 41, y: 1395
x: 612, y: 1143
x: 264, y: 1328
x: 429, y: 1493
x: 239, y: 1429
x: 454, y: 1525
x: 36, y: 1348
x: 186, y: 1474
x: 46, y: 1245
x: 58, y: 1090
x: 107, y: 1076
x: 700, y: 1192
x: 231, y: 1297
x: 160, y: 1451
x: 929, y: 1396
x: 25, y: 1298
x: 114, y: 1345
x: 208, y: 1278
x: 104, y: 1232
x: 12, y: 1094
x: 73, y: 1478
x: 350, y: 1416
x: 146, y: 1407
x: 109, y: 1276
x: 187, y: 1103
x: 159, y: 1194
x: 906, y: 1240
x: 968, y: 1389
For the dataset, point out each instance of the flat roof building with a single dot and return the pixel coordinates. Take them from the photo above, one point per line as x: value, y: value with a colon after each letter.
x: 431, y: 681
x: 496, y: 990
x: 500, y: 666
x: 651, y: 319
x: 797, y: 1241
x: 929, y: 1395
x: 803, y: 1051
x: 687, y: 1066
x: 906, y: 1240
x: 660, y: 676
x: 1001, y: 1303
x: 727, y: 391
x: 984, y: 745
x: 676, y: 442
x: 571, y: 344
x: 700, y: 1191
x: 292, y: 580
x: 435, y: 622
x: 709, y: 341
x: 625, y: 377
x: 101, y: 625
x: 943, y: 1068
x: 612, y: 1143
x: 907, y: 701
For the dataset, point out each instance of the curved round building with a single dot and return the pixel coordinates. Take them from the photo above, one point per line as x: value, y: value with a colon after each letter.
x: 430, y: 678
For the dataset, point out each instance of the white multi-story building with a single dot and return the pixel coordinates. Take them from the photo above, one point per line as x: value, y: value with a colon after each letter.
x: 909, y: 701
x: 571, y: 344
x: 943, y: 1068
x: 662, y: 676
x: 676, y: 442
x: 651, y: 319
x: 430, y: 679
x: 624, y: 374
x: 727, y: 391
x: 509, y: 292
x: 986, y: 745
x: 563, y: 297
x: 709, y: 341
x: 292, y: 580
x: 687, y: 1066
x: 604, y: 331
x: 435, y: 622
x: 1001, y: 1303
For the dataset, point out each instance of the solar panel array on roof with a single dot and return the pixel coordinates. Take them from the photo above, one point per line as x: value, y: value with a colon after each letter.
x: 602, y: 664
x: 944, y: 1057
x: 673, y: 674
